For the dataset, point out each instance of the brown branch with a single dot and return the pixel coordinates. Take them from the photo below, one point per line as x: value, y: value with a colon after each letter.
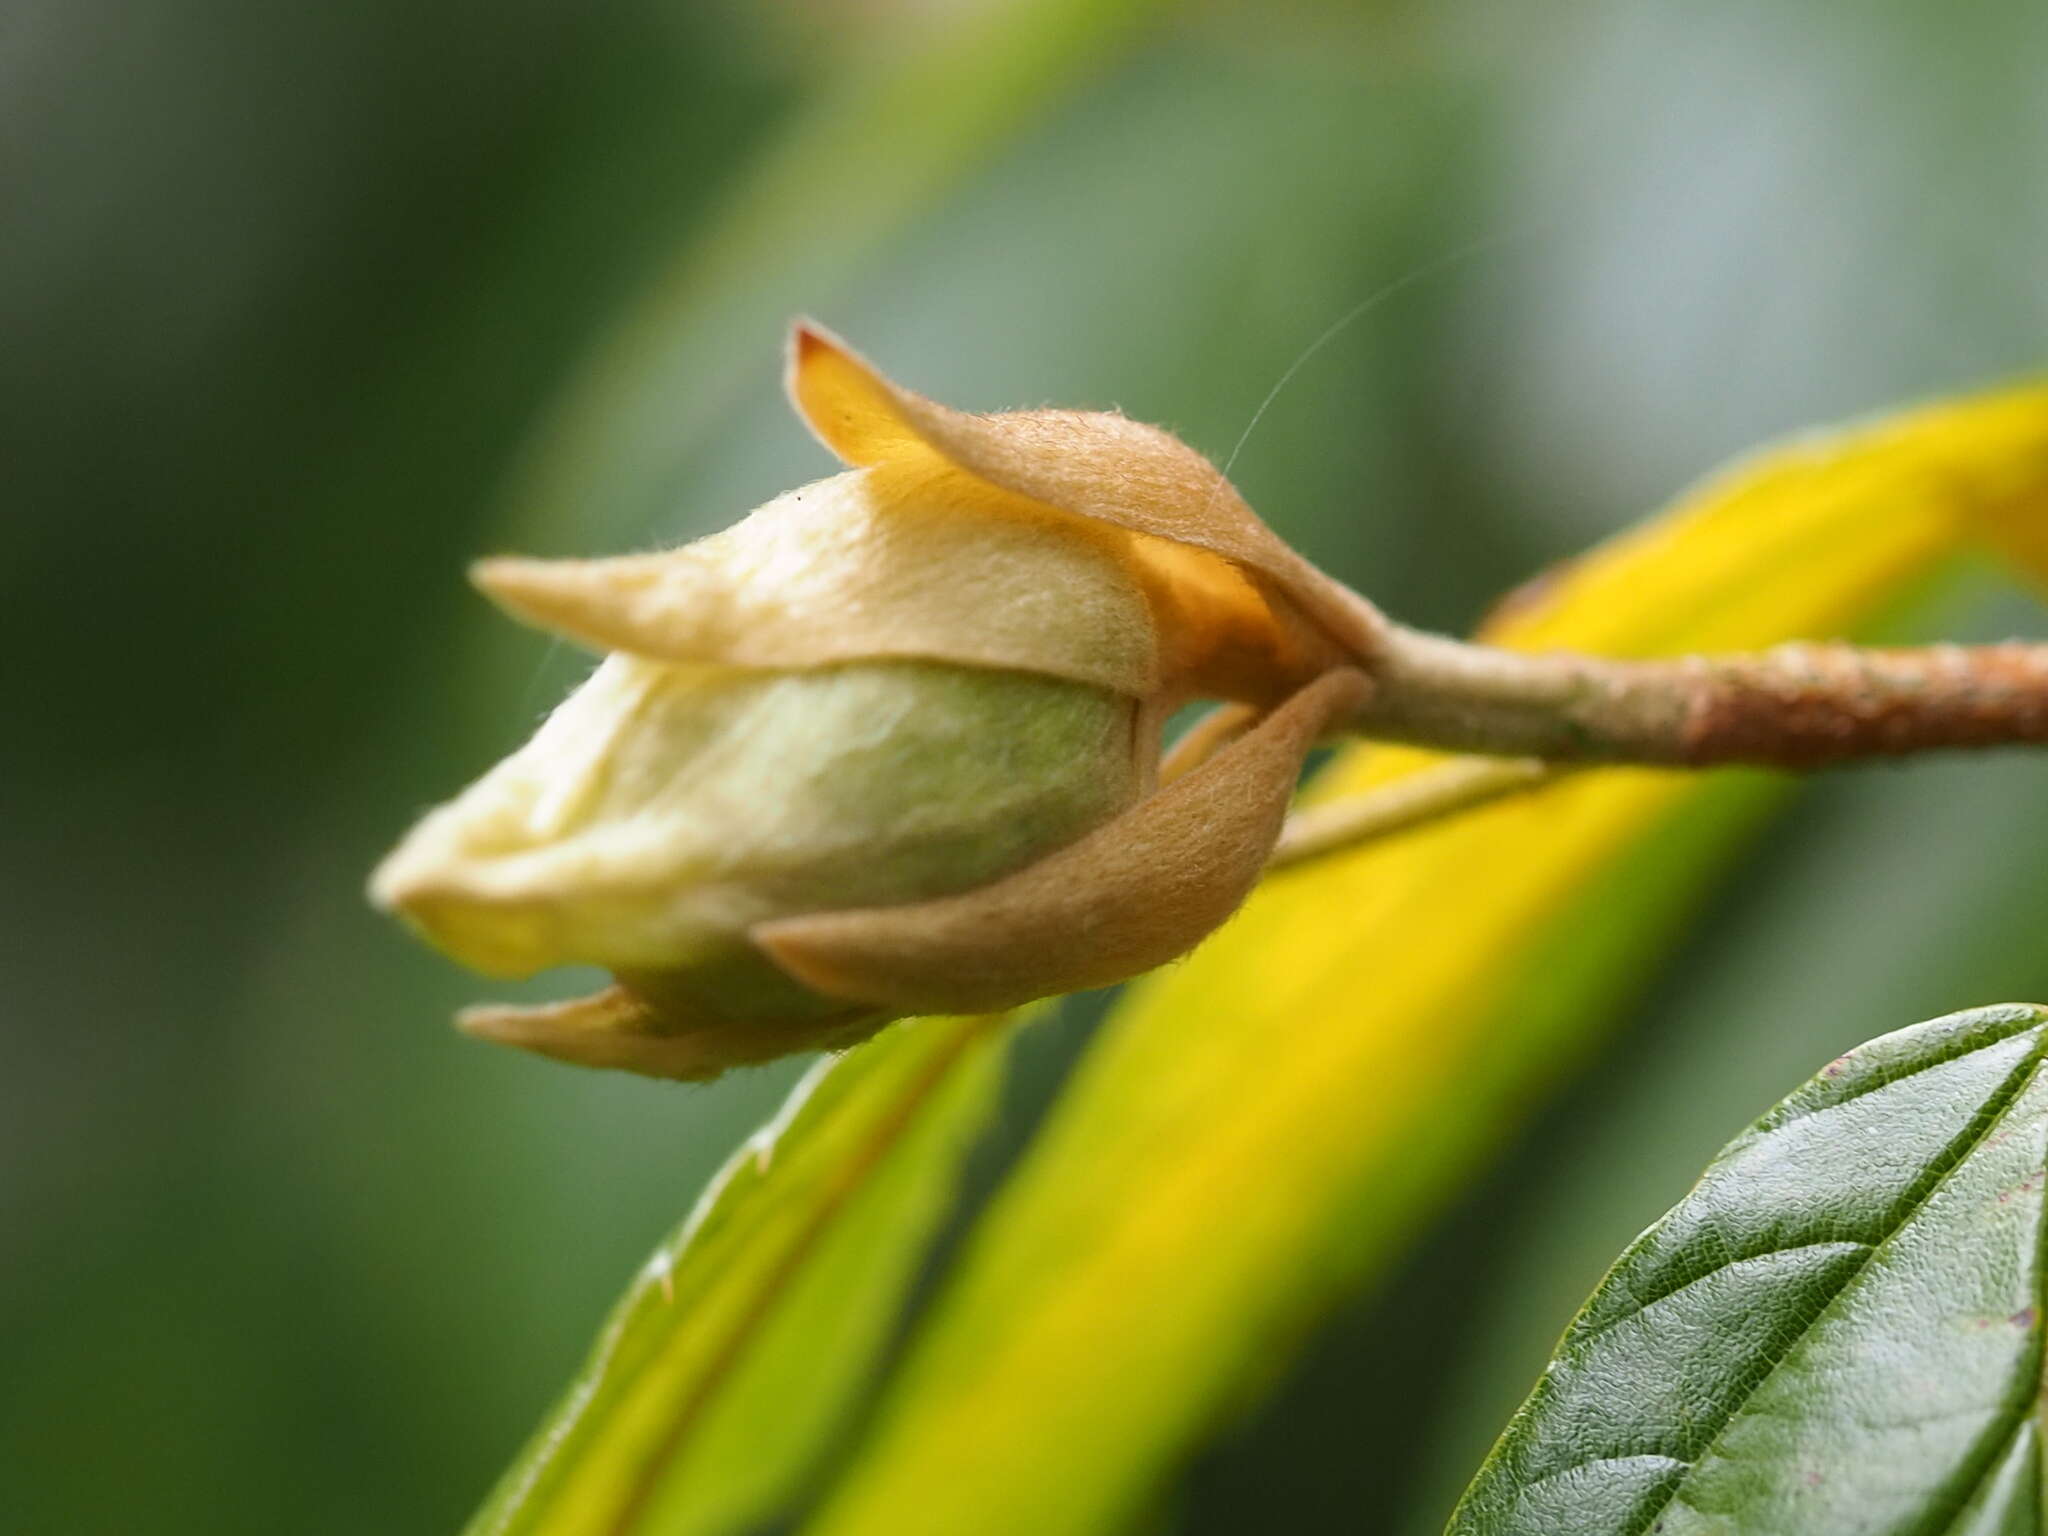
x: 1812, y: 706
x: 1798, y: 706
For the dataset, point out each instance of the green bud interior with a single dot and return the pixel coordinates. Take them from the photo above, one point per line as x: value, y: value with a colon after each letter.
x: 662, y: 810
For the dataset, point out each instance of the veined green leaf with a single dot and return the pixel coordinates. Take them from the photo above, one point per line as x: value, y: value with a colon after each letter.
x: 1838, y: 1330
x: 732, y: 1362
x: 1274, y: 1118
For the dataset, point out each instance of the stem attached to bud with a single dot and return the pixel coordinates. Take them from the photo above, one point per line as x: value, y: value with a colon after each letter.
x: 1798, y: 706
x: 1529, y: 718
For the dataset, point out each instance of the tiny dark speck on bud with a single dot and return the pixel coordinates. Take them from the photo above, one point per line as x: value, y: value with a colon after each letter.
x: 2024, y: 1318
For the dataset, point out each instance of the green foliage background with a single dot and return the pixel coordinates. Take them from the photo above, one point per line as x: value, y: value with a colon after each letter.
x: 288, y: 301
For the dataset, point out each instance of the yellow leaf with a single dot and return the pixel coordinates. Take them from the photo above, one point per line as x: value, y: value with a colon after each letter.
x: 1265, y: 1122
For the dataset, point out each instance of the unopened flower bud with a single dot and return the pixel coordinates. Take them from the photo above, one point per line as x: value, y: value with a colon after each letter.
x: 890, y: 744
x: 665, y: 808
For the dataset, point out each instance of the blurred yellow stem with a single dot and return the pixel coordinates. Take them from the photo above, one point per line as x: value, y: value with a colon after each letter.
x: 1205, y: 738
x: 1457, y: 785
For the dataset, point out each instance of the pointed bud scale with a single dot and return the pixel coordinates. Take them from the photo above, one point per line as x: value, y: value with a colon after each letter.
x: 1241, y: 587
x: 854, y: 568
x: 890, y: 744
x: 1114, y: 903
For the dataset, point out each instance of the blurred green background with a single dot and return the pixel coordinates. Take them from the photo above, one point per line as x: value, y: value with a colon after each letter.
x: 300, y: 307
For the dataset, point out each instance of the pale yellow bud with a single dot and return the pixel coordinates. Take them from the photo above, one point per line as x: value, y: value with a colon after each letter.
x: 890, y: 744
x: 665, y: 809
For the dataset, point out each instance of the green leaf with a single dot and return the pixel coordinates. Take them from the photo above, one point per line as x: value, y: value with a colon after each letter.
x: 1838, y: 1330
x: 737, y: 1356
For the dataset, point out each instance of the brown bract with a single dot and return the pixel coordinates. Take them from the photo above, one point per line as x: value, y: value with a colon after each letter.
x: 1130, y: 895
x: 1072, y: 546
x: 1246, y: 616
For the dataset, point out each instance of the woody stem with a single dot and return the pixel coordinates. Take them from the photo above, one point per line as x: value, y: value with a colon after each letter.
x: 1798, y: 706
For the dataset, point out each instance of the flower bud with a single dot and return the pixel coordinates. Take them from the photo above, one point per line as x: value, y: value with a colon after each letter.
x: 664, y: 809
x: 890, y: 744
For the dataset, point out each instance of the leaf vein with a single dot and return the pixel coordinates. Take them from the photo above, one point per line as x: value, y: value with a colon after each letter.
x: 1644, y: 1459
x: 2024, y: 1017
x: 1643, y: 1304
